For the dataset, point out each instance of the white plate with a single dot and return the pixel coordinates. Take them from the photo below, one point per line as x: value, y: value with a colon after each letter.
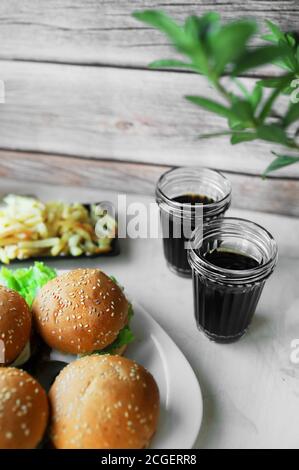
x: 180, y: 394
x: 181, y: 399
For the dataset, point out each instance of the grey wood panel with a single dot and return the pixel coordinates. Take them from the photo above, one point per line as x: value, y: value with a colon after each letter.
x: 104, y: 32
x: 135, y: 115
x: 275, y: 195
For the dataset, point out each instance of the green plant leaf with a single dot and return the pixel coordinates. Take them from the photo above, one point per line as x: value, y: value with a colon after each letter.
x: 213, y: 49
x: 266, y: 109
x: 292, y: 115
x: 268, y: 105
x: 183, y: 41
x: 239, y: 137
x: 243, y: 111
x: 280, y: 162
x: 256, y: 96
x: 161, y: 21
x: 289, y: 59
x: 272, y: 133
x: 214, y: 134
x: 269, y: 38
x: 276, y: 81
x: 199, y: 27
x: 171, y: 63
x: 235, y: 124
x: 284, y: 64
x: 211, y: 105
x: 275, y: 30
x: 290, y: 39
x: 230, y: 42
x: 257, y: 57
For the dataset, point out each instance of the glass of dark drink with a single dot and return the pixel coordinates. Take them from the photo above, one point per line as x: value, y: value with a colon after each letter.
x: 231, y: 260
x: 187, y: 197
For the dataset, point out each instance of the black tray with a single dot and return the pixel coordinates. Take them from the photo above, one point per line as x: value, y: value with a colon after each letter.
x: 114, y: 250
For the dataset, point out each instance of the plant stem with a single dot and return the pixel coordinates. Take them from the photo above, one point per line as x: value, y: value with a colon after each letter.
x: 218, y: 85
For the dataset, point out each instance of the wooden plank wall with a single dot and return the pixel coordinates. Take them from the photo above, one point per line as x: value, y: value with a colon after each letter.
x: 81, y: 105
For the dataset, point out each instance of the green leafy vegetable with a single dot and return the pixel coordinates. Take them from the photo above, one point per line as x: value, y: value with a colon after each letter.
x: 27, y: 281
x: 125, y: 337
x: 113, y: 278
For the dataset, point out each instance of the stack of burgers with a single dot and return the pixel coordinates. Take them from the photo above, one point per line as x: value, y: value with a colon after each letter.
x: 100, y: 400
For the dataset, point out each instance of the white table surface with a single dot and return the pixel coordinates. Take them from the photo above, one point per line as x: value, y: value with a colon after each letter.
x: 250, y: 388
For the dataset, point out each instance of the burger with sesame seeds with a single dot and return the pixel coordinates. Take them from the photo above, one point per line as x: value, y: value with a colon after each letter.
x: 103, y: 402
x: 24, y: 410
x: 82, y: 312
x: 15, y: 328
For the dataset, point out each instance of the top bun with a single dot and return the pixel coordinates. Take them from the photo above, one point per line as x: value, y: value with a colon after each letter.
x: 103, y: 402
x: 15, y: 325
x: 23, y: 410
x: 80, y: 311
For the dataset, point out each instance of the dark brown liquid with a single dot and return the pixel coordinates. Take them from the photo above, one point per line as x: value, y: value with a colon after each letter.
x: 193, y: 199
x: 230, y: 260
x: 174, y: 248
x: 224, y: 311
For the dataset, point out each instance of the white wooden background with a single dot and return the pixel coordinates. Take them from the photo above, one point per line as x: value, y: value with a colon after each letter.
x: 82, y: 107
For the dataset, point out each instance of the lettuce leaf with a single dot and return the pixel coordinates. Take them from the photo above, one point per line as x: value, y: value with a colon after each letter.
x: 27, y: 281
x: 125, y: 337
x: 113, y: 278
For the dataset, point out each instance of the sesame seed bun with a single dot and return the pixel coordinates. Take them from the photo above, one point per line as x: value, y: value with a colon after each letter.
x: 80, y: 311
x: 103, y: 402
x: 23, y: 410
x: 15, y: 325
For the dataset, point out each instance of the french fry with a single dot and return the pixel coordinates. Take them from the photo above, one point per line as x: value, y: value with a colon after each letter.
x: 9, y: 241
x: 46, y: 243
x: 30, y: 228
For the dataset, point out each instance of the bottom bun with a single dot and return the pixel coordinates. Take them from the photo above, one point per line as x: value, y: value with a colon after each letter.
x: 103, y: 402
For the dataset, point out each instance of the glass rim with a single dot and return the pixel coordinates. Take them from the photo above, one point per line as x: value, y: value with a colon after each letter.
x: 178, y: 205
x: 198, y: 262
